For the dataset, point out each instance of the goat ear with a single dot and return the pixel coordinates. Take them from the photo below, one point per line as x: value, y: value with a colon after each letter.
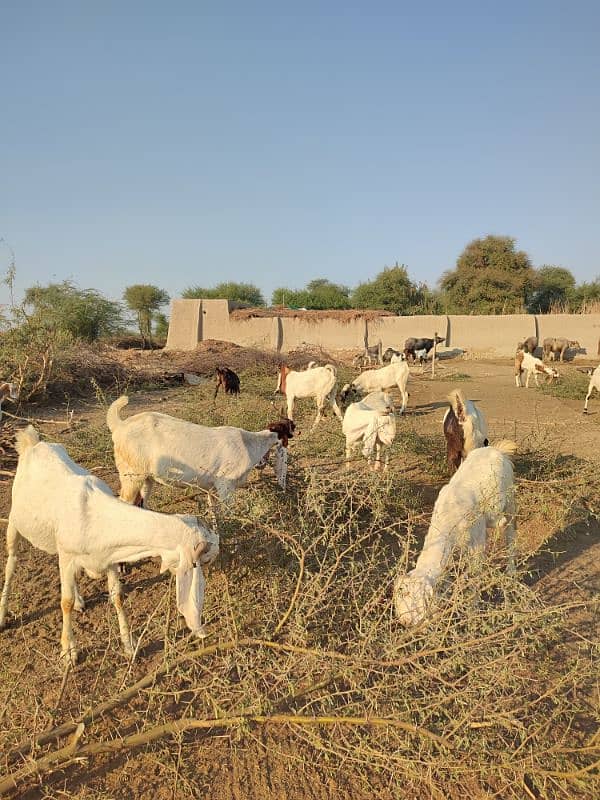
x: 460, y: 411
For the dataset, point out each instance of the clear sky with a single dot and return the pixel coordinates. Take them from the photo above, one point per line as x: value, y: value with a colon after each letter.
x: 273, y: 142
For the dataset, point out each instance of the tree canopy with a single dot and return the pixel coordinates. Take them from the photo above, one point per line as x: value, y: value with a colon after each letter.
x: 553, y: 287
x: 230, y: 290
x: 393, y: 290
x: 320, y: 293
x: 83, y: 313
x: 491, y: 277
x: 145, y: 300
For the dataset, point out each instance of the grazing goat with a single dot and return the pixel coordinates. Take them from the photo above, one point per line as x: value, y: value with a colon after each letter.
x: 553, y: 346
x: 525, y: 362
x: 529, y: 345
x: 371, y: 421
x: 411, y: 345
x: 228, y: 379
x: 370, y: 355
x: 395, y: 374
x: 63, y: 509
x: 594, y: 384
x: 152, y: 447
x: 8, y: 391
x: 465, y: 429
x: 317, y: 382
x: 480, y: 495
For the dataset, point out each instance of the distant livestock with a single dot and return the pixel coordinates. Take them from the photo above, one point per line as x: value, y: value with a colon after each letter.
x: 389, y: 353
x: 317, y: 382
x: 228, y: 379
x: 371, y: 355
x: 411, y: 345
x: 525, y: 362
x: 372, y: 422
x: 553, y: 346
x: 465, y: 429
x: 528, y: 345
x: 8, y: 391
x: 594, y: 384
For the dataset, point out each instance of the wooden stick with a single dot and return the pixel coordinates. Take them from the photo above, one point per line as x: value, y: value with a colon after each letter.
x: 434, y: 353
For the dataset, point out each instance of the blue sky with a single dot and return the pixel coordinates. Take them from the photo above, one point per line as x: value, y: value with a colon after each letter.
x: 188, y: 142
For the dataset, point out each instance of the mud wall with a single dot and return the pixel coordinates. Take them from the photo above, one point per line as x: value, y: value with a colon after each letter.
x: 193, y: 321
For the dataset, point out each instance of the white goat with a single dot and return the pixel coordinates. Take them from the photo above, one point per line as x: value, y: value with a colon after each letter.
x: 480, y: 495
x: 63, y: 509
x: 156, y: 447
x: 8, y: 391
x: 594, y: 384
x: 525, y: 362
x: 373, y: 422
x: 465, y: 429
x: 394, y: 374
x: 317, y: 382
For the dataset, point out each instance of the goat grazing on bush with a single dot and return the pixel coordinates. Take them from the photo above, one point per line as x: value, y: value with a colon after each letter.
x: 479, y: 496
x: 594, y: 384
x: 465, y: 429
x: 395, y: 374
x: 152, y: 447
x: 525, y: 362
x: 317, y: 382
x: 372, y: 422
x: 228, y: 379
x: 63, y: 509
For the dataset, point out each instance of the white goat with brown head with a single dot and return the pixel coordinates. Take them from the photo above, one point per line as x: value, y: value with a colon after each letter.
x: 465, y: 429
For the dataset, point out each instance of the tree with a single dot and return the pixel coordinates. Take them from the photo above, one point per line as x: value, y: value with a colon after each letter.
x: 319, y: 294
x: 491, y: 277
x: 161, y: 326
x: 392, y: 290
x: 585, y: 298
x: 82, y: 313
x: 145, y: 300
x: 553, y: 287
x: 240, y: 292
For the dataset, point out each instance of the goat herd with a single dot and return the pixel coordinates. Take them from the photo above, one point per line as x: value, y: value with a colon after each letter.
x: 62, y: 509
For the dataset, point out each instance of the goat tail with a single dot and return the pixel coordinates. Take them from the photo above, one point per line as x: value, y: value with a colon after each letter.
x: 506, y: 447
x: 25, y: 439
x: 113, y: 418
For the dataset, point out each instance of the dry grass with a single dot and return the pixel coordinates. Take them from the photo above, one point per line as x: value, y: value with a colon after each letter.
x: 493, y: 698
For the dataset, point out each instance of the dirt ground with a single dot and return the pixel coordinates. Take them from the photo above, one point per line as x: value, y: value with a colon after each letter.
x: 266, y: 764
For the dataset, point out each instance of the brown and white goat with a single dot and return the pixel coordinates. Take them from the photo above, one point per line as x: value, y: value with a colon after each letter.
x: 228, y: 379
x: 525, y: 362
x: 465, y: 429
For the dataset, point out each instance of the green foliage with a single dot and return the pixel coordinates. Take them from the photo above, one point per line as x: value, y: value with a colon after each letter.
x: 392, y: 290
x: 161, y: 326
x: 553, y: 286
x: 586, y: 297
x: 318, y: 294
x: 145, y: 299
x: 82, y: 313
x: 491, y: 277
x: 239, y: 292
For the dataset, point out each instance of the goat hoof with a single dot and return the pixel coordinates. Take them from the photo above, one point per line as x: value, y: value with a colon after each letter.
x: 79, y: 604
x: 201, y: 633
x: 70, y: 656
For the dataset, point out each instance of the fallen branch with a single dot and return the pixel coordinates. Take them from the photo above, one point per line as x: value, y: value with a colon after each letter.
x: 61, y: 758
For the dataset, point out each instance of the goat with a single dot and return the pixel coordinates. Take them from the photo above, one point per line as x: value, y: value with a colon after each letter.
x: 553, y: 346
x: 529, y: 345
x: 395, y: 374
x: 152, y: 447
x: 63, y: 509
x: 594, y: 384
x: 411, y: 345
x: 525, y: 362
x: 8, y: 391
x: 387, y: 356
x: 317, y: 382
x: 480, y: 495
x: 371, y: 421
x: 465, y: 429
x: 228, y: 379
